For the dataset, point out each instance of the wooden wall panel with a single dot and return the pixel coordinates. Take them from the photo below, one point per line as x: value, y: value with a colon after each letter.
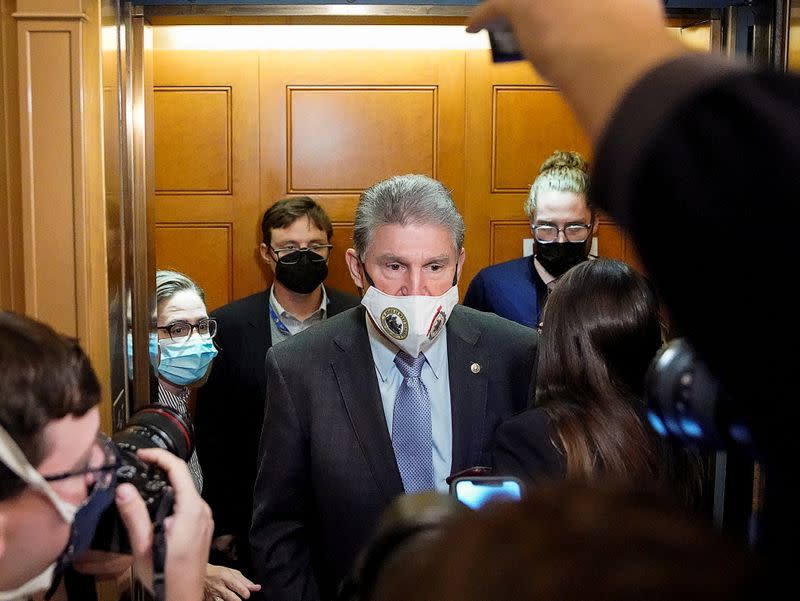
x: 529, y: 123
x: 204, y: 252
x: 343, y: 139
x: 244, y: 129
x: 331, y: 128
x: 193, y: 141
x: 506, y: 239
x: 62, y: 200
x: 206, y: 123
x: 338, y: 276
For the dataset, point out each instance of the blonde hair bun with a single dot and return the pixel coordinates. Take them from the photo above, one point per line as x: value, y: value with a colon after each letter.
x: 568, y: 159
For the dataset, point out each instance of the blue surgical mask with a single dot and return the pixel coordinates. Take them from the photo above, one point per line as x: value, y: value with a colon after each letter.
x: 152, y: 348
x: 185, y: 362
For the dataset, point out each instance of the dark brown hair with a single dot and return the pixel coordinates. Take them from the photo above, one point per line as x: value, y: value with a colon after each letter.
x: 577, y: 541
x: 601, y: 329
x: 285, y: 212
x: 44, y: 376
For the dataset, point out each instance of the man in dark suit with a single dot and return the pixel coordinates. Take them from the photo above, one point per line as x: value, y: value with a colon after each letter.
x: 230, y: 407
x: 338, y: 443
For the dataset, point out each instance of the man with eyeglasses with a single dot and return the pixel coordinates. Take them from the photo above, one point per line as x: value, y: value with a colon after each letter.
x: 58, y: 474
x: 296, y: 246
x: 562, y: 224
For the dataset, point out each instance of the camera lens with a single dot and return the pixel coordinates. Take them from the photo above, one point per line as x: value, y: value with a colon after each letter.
x: 157, y: 426
x: 153, y: 426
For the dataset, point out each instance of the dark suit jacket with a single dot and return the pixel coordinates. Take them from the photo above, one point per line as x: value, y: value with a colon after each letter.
x: 512, y: 289
x: 524, y: 448
x: 230, y: 409
x: 327, y: 465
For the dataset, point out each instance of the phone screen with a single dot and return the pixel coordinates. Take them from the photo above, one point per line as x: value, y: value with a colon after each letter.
x: 476, y: 492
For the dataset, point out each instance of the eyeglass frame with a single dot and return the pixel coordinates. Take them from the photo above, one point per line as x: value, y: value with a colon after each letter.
x: 192, y: 327
x: 312, y: 248
x: 559, y: 230
x: 109, y: 450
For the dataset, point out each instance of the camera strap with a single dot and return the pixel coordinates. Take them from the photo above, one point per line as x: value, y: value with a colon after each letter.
x: 160, y: 542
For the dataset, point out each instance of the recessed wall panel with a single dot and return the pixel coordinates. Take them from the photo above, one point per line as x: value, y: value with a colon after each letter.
x: 529, y: 123
x: 506, y: 240
x: 201, y: 251
x: 344, y: 139
x: 192, y: 139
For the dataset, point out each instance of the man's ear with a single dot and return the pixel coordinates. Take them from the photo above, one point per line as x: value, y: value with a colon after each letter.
x: 265, y: 253
x: 461, y: 257
x: 354, y: 267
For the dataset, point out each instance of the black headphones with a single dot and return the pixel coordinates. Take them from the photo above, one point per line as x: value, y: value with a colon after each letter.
x: 685, y: 401
x: 410, y: 522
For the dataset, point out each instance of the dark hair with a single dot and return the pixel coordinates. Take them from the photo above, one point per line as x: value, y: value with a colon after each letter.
x: 601, y: 329
x: 44, y: 376
x: 578, y: 541
x: 285, y: 212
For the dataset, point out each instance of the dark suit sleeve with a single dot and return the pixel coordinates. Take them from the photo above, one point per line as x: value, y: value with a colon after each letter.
x: 279, y: 534
x: 475, y: 296
x: 697, y: 149
x: 216, y: 424
x: 524, y: 448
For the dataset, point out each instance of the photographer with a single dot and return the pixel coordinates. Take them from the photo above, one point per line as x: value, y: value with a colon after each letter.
x: 56, y: 473
x: 692, y: 151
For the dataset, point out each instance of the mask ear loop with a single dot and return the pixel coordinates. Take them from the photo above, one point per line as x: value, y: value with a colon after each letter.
x: 13, y: 457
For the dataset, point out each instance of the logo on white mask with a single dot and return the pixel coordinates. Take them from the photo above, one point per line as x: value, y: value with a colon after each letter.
x: 411, y: 322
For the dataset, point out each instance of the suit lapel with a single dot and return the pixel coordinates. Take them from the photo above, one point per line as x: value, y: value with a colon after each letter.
x: 468, y: 384
x: 260, y: 335
x: 355, y: 373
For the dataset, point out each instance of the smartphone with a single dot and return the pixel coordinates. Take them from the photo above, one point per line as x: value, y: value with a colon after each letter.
x: 505, y: 47
x: 476, y: 491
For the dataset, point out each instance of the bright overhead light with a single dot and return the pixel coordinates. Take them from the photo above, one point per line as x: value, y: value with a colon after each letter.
x: 316, y: 37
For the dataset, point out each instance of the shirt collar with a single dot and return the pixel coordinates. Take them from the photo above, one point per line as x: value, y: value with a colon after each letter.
x: 384, y: 352
x: 323, y: 306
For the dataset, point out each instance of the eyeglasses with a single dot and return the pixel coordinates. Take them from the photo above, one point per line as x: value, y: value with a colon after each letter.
x: 179, y: 331
x: 103, y: 474
x: 573, y: 232
x: 291, y: 254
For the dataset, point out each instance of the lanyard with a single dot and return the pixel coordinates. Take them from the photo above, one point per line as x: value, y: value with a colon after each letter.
x: 278, y: 323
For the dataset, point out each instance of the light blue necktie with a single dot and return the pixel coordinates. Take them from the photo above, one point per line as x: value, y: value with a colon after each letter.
x: 412, y: 436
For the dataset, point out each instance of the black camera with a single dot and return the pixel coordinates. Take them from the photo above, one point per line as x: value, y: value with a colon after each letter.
x: 686, y: 401
x: 153, y: 426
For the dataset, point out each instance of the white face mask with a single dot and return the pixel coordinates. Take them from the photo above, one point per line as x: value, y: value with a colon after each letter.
x: 34, y: 585
x: 410, y: 322
x: 13, y: 458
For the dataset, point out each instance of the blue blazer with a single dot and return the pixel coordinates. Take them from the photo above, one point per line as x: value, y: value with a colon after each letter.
x: 508, y: 289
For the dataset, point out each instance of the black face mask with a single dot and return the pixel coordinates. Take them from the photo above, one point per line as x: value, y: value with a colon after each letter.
x: 558, y: 257
x: 304, y: 276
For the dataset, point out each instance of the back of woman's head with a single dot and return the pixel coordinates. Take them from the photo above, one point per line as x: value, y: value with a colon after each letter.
x: 601, y: 329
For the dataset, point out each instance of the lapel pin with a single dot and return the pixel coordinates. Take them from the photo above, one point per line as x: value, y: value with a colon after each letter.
x: 475, y: 368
